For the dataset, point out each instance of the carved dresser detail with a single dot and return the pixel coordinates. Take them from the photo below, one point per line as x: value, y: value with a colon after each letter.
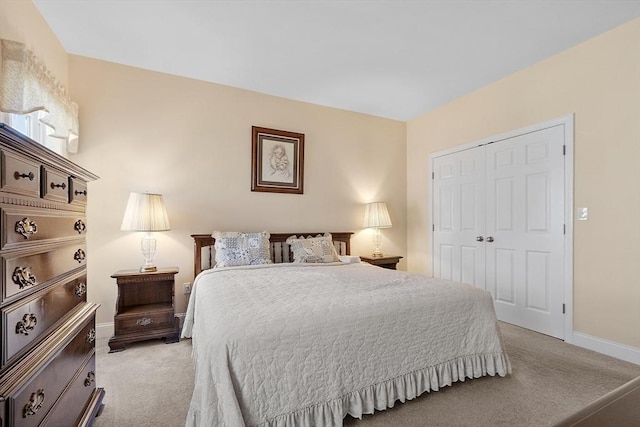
x: 47, y: 353
x: 145, y: 307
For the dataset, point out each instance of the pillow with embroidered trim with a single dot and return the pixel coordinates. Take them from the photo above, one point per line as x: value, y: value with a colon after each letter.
x: 317, y: 249
x: 236, y: 248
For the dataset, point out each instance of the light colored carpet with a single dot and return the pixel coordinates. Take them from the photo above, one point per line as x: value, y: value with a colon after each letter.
x: 150, y: 384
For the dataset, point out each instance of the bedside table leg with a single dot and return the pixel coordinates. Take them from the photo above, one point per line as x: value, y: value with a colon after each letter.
x: 170, y: 339
x: 115, y: 347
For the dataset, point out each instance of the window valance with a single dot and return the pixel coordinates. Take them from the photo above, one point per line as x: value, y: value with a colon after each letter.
x: 26, y: 85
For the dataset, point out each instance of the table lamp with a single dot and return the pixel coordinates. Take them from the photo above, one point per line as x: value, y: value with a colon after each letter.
x: 146, y: 213
x: 376, y: 216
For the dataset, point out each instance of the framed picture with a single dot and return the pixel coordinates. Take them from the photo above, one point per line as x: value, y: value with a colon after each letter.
x: 277, y: 161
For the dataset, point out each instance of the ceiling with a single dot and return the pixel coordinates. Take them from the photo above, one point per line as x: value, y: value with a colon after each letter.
x: 394, y: 59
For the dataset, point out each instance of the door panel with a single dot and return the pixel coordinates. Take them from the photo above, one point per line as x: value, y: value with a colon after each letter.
x: 525, y: 218
x: 537, y: 283
x: 459, y: 217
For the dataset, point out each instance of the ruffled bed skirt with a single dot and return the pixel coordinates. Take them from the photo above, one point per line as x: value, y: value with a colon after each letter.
x: 384, y: 395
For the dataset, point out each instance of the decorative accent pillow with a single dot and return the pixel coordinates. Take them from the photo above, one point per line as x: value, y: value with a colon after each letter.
x: 313, y: 249
x: 235, y: 248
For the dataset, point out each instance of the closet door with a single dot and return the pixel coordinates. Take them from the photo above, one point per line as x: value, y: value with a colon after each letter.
x: 498, y: 224
x: 524, y: 229
x: 459, y: 217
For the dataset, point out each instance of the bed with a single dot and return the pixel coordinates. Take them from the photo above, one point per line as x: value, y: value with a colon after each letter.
x: 305, y: 344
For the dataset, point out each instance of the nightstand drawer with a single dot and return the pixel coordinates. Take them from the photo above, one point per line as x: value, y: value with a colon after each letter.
x: 152, y: 317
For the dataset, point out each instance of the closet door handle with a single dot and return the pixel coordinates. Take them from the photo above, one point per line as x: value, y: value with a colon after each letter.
x: 479, y: 239
x: 489, y: 239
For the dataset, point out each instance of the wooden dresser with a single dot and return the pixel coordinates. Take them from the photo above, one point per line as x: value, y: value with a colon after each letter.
x: 47, y: 360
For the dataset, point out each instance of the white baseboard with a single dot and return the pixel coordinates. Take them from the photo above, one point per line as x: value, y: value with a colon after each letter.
x: 104, y: 330
x: 610, y: 348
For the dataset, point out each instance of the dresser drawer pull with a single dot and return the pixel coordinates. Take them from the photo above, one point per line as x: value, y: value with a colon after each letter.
x: 79, y: 226
x: 144, y: 321
x: 35, y: 403
x: 27, y: 324
x: 54, y: 185
x: 23, y: 277
x: 91, y: 377
x: 26, y: 227
x: 81, y: 289
x: 79, y: 255
x: 91, y: 336
x: 80, y: 193
x: 30, y: 176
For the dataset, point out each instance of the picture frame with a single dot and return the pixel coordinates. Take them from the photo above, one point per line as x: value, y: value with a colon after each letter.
x: 277, y: 161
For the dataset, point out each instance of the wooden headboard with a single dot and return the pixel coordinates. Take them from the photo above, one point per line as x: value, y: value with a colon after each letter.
x: 280, y: 251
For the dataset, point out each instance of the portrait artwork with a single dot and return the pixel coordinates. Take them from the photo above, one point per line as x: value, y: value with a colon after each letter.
x: 277, y: 161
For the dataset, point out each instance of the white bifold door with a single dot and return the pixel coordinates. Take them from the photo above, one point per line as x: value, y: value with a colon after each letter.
x: 498, y: 212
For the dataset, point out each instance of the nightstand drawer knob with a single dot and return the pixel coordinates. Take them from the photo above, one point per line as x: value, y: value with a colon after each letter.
x: 144, y: 321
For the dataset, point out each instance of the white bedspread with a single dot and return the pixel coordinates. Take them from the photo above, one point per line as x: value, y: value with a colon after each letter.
x: 303, y: 345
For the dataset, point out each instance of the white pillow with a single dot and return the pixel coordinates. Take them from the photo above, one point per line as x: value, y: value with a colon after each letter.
x: 235, y: 248
x: 313, y: 249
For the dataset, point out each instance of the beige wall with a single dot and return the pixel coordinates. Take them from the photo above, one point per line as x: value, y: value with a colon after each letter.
x: 599, y: 81
x: 20, y: 21
x: 191, y: 141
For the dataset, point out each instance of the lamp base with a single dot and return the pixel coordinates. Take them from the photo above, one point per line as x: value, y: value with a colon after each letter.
x: 377, y: 240
x: 148, y: 245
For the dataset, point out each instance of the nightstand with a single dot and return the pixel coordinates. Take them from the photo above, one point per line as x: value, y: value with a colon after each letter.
x: 389, y: 262
x: 145, y: 307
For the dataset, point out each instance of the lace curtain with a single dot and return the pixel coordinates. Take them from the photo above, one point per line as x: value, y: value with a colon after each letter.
x: 26, y: 85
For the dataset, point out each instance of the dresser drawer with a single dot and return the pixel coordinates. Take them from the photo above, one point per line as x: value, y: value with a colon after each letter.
x: 78, y: 192
x: 71, y: 405
x: 30, y: 225
x: 31, y: 402
x: 32, y: 318
x: 24, y: 273
x: 19, y: 175
x: 55, y: 185
x: 139, y: 321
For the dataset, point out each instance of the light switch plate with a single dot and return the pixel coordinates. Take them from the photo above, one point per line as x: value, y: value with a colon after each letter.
x: 583, y: 214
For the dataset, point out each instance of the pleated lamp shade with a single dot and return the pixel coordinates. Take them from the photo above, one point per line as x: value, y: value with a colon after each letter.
x: 376, y: 215
x: 145, y: 212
